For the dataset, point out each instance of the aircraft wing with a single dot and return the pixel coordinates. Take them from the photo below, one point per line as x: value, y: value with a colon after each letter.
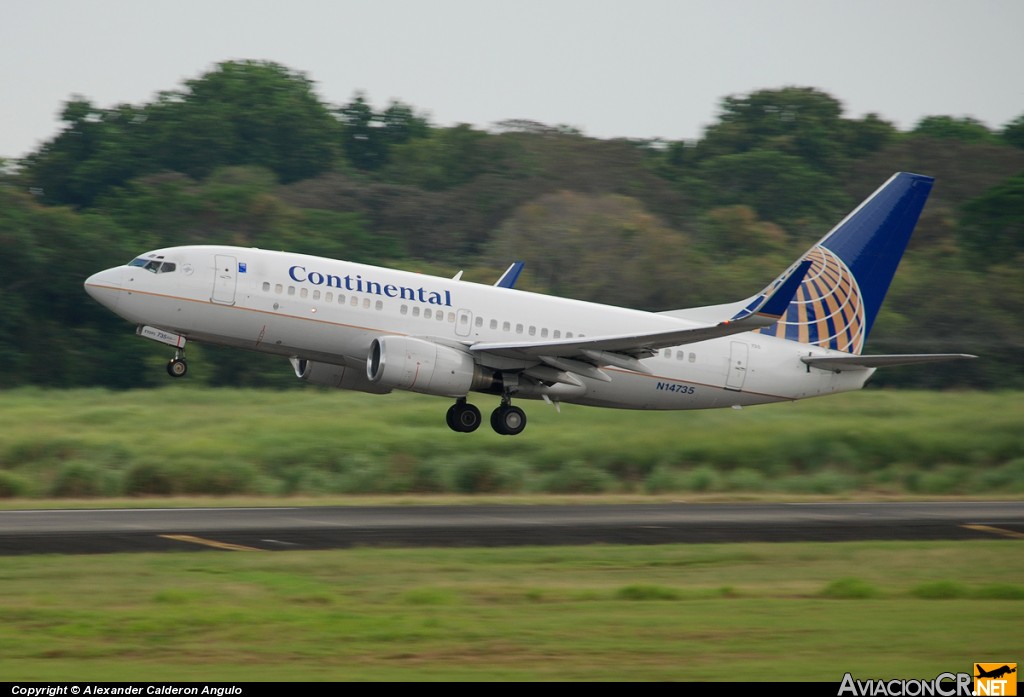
x: 838, y: 363
x: 578, y: 354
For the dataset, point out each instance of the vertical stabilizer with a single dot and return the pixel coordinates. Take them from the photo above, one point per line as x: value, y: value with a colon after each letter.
x: 852, y: 267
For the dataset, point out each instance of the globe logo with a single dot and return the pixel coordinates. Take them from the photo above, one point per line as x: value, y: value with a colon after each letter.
x: 827, y: 309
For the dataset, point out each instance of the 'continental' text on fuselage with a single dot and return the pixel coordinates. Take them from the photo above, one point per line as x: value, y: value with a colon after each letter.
x: 358, y: 284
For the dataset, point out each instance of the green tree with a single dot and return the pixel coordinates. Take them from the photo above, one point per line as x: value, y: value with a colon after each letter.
x: 448, y: 158
x: 245, y: 113
x: 1013, y: 132
x: 799, y: 121
x: 781, y: 187
x: 992, y: 225
x: 96, y: 149
x: 240, y: 113
x: 362, y: 140
x: 604, y: 248
x: 51, y: 333
x: 967, y: 129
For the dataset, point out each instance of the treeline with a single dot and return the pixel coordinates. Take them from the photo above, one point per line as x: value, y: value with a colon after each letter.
x: 248, y: 154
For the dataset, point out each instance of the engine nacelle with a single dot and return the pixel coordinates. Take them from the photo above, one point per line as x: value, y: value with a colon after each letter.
x: 418, y: 365
x: 331, y: 375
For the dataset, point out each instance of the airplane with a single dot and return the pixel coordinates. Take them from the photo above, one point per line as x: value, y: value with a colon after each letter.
x: 374, y: 329
x: 996, y: 672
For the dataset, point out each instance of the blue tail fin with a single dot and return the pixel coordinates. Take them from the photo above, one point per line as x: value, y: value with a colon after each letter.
x: 852, y: 267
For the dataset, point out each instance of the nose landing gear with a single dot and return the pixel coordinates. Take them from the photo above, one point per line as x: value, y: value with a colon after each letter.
x: 177, y: 367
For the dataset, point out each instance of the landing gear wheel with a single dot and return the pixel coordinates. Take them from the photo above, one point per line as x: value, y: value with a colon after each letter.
x: 463, y: 417
x: 508, y: 420
x: 177, y: 367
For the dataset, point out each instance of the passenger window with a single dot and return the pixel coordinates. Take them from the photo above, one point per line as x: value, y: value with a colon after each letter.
x: 479, y: 322
x: 558, y: 334
x: 533, y: 330
x: 428, y: 313
x: 405, y: 309
x: 304, y: 293
x: 415, y: 311
x: 693, y: 357
x: 505, y: 326
x: 316, y: 295
x: 291, y: 290
x: 380, y: 305
x: 494, y: 324
x: 266, y: 286
x: 329, y: 297
x: 519, y: 329
x: 451, y: 317
x: 544, y: 333
x: 278, y: 288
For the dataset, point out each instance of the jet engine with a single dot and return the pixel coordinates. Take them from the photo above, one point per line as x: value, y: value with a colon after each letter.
x: 419, y: 365
x: 331, y: 375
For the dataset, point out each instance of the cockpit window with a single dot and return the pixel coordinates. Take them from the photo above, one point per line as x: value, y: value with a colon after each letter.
x: 153, y: 265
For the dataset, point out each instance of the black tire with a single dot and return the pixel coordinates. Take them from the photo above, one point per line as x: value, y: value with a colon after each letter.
x: 177, y: 367
x: 508, y: 420
x: 463, y: 417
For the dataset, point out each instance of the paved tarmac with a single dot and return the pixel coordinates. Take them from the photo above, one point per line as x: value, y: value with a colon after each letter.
x: 334, y: 527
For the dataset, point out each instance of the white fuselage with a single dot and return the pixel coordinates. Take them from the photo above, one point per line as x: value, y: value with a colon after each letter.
x: 330, y: 311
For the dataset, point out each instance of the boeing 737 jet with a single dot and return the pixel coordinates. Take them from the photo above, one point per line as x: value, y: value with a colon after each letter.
x: 375, y: 329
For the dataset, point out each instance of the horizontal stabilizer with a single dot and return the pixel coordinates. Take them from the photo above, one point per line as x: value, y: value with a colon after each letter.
x: 838, y: 363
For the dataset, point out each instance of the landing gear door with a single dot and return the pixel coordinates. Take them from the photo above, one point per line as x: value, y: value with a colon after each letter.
x: 225, y: 278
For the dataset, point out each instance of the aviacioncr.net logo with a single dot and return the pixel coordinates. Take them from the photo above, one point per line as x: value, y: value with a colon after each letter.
x: 943, y: 685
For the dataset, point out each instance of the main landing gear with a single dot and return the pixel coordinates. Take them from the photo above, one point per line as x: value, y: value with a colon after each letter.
x: 506, y: 420
x: 463, y: 417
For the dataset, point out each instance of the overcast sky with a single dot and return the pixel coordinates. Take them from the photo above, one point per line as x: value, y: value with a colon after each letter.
x: 624, y: 68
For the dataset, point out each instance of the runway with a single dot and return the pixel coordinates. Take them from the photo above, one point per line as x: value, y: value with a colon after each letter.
x: 335, y: 527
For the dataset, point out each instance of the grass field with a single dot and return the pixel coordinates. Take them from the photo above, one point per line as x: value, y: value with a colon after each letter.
x: 192, y: 441
x: 747, y: 612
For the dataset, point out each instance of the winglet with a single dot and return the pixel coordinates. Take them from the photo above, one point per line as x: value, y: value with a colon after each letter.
x: 774, y: 306
x: 778, y: 302
x: 511, y: 275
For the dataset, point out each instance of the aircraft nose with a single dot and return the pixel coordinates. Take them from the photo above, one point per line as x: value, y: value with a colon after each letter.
x: 105, y: 286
